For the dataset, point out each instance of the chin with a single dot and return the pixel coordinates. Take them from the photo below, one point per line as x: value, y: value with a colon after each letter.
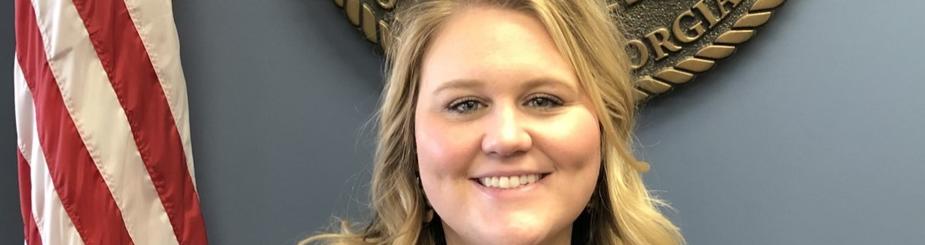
x: 513, y: 237
x: 522, y: 237
x: 517, y: 230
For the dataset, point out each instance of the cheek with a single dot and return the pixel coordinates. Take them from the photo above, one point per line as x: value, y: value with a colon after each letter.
x: 573, y: 141
x: 443, y: 151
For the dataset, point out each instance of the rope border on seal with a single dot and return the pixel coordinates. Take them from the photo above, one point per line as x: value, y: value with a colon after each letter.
x: 705, y: 58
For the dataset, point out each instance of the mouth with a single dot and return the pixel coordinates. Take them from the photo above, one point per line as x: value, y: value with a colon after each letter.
x: 509, y: 182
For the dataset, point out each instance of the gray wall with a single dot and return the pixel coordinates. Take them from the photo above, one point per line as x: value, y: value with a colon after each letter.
x: 810, y: 134
x: 10, y: 221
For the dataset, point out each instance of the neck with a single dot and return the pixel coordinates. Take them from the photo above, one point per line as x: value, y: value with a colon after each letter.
x: 563, y: 237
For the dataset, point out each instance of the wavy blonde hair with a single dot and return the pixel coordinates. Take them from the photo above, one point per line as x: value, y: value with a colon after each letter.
x: 621, y: 212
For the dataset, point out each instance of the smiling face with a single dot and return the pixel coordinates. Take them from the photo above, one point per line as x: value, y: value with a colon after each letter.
x: 507, y: 144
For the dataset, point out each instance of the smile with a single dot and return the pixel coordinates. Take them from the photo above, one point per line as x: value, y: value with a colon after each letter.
x: 509, y: 182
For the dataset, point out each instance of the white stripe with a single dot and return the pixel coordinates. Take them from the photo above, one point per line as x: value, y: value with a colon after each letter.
x: 53, y: 223
x: 154, y: 21
x: 101, y: 121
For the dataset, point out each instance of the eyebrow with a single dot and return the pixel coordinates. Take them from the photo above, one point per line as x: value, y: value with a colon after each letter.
x: 459, y: 84
x: 529, y: 84
x: 549, y: 81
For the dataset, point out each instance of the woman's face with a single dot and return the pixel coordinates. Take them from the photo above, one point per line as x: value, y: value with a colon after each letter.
x: 507, y: 144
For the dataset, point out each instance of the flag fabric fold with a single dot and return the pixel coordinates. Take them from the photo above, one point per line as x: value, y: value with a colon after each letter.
x: 104, y: 150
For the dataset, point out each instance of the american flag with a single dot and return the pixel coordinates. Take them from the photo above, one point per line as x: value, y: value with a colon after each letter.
x: 102, y: 124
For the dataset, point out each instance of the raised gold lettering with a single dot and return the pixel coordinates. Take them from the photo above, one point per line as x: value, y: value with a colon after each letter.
x: 704, y: 10
x: 641, y: 52
x: 659, y: 40
x: 721, y: 4
x: 685, y: 35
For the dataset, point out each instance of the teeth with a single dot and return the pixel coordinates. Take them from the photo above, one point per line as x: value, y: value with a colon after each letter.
x: 508, y: 182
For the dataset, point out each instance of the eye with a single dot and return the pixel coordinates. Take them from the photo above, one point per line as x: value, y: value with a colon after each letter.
x: 465, y: 105
x: 543, y: 101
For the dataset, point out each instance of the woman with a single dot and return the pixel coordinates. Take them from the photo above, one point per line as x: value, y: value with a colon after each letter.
x: 508, y: 122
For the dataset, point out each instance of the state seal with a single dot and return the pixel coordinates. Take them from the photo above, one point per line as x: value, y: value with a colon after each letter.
x: 669, y: 41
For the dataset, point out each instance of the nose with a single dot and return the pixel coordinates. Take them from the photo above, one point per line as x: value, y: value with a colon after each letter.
x: 506, y: 134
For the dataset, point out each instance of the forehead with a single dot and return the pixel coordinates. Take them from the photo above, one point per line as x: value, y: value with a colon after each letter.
x: 492, y: 44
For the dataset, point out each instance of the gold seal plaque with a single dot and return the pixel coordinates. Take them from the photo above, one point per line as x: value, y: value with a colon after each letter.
x: 670, y: 41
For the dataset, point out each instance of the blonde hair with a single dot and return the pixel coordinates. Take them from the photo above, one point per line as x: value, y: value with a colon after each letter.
x: 622, y: 210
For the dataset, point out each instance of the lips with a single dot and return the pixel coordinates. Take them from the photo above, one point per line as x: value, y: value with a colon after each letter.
x: 509, y: 182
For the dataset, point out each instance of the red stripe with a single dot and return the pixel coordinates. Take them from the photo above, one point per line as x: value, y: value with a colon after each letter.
x: 30, y: 231
x: 78, y: 182
x: 136, y: 84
